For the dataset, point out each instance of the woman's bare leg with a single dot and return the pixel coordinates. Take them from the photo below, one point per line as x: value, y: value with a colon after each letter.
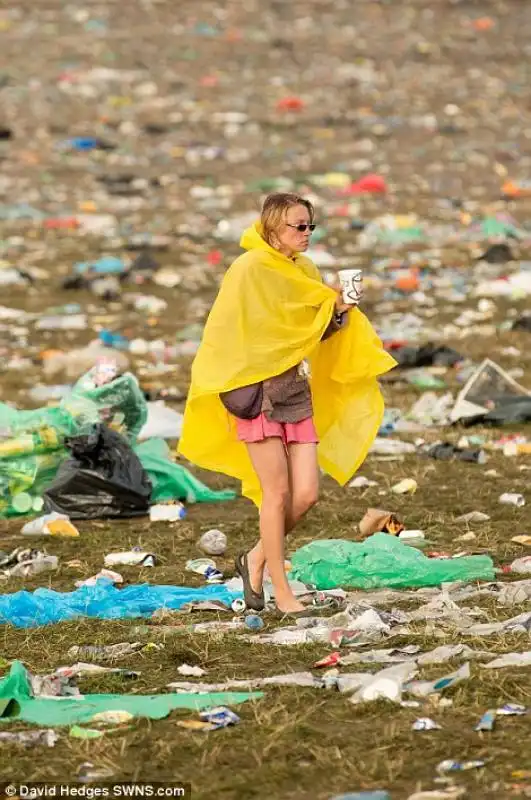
x: 270, y: 462
x: 304, y: 481
x: 303, y: 484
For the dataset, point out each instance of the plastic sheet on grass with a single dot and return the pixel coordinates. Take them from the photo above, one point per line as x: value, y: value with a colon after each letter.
x: 44, y: 606
x: 381, y: 561
x: 18, y: 704
x: 172, y: 481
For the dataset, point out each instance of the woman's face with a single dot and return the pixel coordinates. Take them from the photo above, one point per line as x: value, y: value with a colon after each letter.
x: 291, y: 240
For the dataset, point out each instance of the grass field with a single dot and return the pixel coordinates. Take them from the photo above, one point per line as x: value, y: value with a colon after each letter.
x: 293, y: 743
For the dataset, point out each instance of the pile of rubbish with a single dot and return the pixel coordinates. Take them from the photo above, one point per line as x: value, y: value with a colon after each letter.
x: 89, y: 457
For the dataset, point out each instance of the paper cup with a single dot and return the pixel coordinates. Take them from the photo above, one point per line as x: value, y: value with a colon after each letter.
x: 351, y: 283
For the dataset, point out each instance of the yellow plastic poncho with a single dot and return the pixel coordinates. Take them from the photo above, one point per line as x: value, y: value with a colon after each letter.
x: 269, y: 315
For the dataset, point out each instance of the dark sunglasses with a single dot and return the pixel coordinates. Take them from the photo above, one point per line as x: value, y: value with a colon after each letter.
x: 302, y: 226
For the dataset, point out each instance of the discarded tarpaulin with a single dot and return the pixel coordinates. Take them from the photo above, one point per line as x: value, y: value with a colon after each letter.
x: 381, y: 560
x: 18, y: 704
x: 43, y: 606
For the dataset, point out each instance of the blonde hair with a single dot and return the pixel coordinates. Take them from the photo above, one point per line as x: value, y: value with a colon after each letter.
x: 274, y: 211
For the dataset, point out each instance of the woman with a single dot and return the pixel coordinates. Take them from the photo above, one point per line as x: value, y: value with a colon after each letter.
x: 283, y: 383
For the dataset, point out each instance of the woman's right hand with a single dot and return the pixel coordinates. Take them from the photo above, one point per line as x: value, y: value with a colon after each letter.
x: 341, y: 306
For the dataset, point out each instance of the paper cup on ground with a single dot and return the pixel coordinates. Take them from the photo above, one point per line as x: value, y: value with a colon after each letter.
x: 350, y: 281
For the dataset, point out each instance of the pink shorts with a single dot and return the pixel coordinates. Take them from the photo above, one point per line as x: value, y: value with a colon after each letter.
x: 260, y: 428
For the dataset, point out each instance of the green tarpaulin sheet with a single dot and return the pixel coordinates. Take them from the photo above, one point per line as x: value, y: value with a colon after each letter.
x: 172, y: 481
x: 17, y: 703
x: 381, y: 561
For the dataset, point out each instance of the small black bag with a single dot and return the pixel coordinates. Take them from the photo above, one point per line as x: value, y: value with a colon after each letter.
x: 244, y: 402
x: 102, y: 478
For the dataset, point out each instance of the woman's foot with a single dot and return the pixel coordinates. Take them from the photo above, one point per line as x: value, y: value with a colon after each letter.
x: 292, y: 607
x: 289, y: 605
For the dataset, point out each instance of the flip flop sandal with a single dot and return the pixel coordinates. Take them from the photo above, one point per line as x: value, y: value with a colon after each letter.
x: 253, y: 600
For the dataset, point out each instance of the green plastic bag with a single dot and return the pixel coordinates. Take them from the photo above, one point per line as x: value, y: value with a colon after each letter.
x: 32, y: 442
x: 172, y: 481
x: 381, y: 561
x: 120, y: 404
x: 31, y: 449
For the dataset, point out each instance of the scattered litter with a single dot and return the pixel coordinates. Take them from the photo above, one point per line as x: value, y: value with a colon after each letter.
x: 447, y: 651
x: 391, y: 447
x: 213, y: 543
x: 77, y: 732
x: 425, y: 724
x: 253, y: 622
x: 116, y: 717
x: 108, y: 652
x: 50, y: 525
x: 220, y: 717
x: 518, y: 624
x: 425, y: 688
x: 384, y: 656
x: 81, y: 669
x: 167, y: 512
x: 523, y: 539
x: 132, y: 558
x: 406, y: 486
x: 186, y: 669
x: 103, y: 574
x: 512, y: 499
x: 411, y: 534
x: 473, y: 516
x: 510, y: 660
x: 135, y: 149
x: 514, y: 593
x: 511, y: 710
x: 303, y: 679
x: 521, y: 565
x: 89, y: 773
x: 458, y: 766
x: 102, y: 478
x: 162, y: 422
x: 360, y: 482
x: 196, y: 725
x: 26, y: 563
x: 207, y: 568
x: 487, y: 721
x: 387, y: 684
x: 377, y: 520
x: 489, y: 382
x: 40, y: 738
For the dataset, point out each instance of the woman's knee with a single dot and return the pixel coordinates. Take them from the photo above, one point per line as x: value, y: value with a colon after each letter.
x: 277, y: 496
x: 305, y: 499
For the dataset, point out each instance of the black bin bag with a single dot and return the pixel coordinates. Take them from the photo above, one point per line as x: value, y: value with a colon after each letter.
x: 102, y: 478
